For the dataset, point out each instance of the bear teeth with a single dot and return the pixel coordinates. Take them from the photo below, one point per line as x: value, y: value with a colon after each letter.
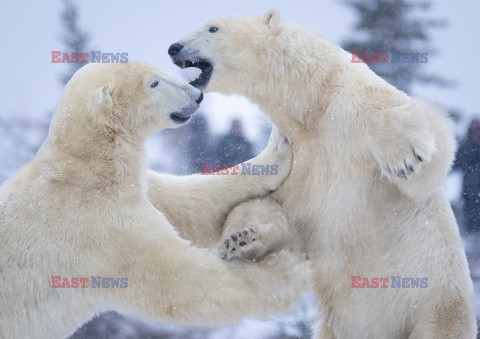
x: 183, y: 64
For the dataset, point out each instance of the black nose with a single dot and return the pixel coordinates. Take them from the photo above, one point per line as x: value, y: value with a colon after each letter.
x: 200, y: 98
x: 174, y: 49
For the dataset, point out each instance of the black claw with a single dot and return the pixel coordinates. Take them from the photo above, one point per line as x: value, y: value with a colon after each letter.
x: 227, y: 244
x: 245, y: 232
x: 409, y: 167
x: 251, y: 230
x: 401, y: 173
x: 234, y: 249
x: 254, y: 239
x: 234, y: 238
x: 419, y: 158
x: 242, y: 243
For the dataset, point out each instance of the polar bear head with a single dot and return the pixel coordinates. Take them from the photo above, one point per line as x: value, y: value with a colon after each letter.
x: 227, y: 50
x: 131, y: 99
x: 266, y: 59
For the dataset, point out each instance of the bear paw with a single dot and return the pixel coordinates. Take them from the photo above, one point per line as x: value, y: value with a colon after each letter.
x: 404, y: 165
x: 239, y: 245
x: 278, y: 153
x: 403, y: 142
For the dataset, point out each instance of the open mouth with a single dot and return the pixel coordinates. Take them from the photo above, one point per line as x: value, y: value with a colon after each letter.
x: 179, y: 119
x: 203, y: 78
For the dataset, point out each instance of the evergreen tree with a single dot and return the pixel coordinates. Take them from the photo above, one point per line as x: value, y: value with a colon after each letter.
x: 75, y: 39
x: 392, y: 26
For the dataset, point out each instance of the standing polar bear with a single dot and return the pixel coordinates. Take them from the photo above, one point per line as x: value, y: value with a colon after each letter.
x: 364, y: 193
x: 78, y: 234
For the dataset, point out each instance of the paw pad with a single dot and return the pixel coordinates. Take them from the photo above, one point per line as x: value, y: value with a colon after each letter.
x: 239, y: 240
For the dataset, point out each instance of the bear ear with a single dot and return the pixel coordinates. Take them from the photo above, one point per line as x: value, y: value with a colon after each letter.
x: 104, y: 96
x: 271, y: 18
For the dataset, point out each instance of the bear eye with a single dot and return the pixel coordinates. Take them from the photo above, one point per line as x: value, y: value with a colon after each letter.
x: 154, y: 84
x: 213, y: 29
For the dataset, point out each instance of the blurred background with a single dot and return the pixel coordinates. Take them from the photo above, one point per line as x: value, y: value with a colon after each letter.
x: 228, y: 130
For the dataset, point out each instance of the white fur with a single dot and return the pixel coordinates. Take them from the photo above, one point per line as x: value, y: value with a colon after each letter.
x: 80, y: 209
x: 356, y: 212
x: 254, y: 229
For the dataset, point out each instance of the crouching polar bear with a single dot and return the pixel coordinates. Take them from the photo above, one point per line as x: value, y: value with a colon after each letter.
x: 79, y: 214
x: 364, y: 193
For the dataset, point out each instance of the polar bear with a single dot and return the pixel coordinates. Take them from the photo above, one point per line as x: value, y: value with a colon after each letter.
x: 78, y: 234
x: 364, y: 193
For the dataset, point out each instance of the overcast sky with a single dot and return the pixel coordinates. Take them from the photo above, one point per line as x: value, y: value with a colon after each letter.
x: 30, y: 30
